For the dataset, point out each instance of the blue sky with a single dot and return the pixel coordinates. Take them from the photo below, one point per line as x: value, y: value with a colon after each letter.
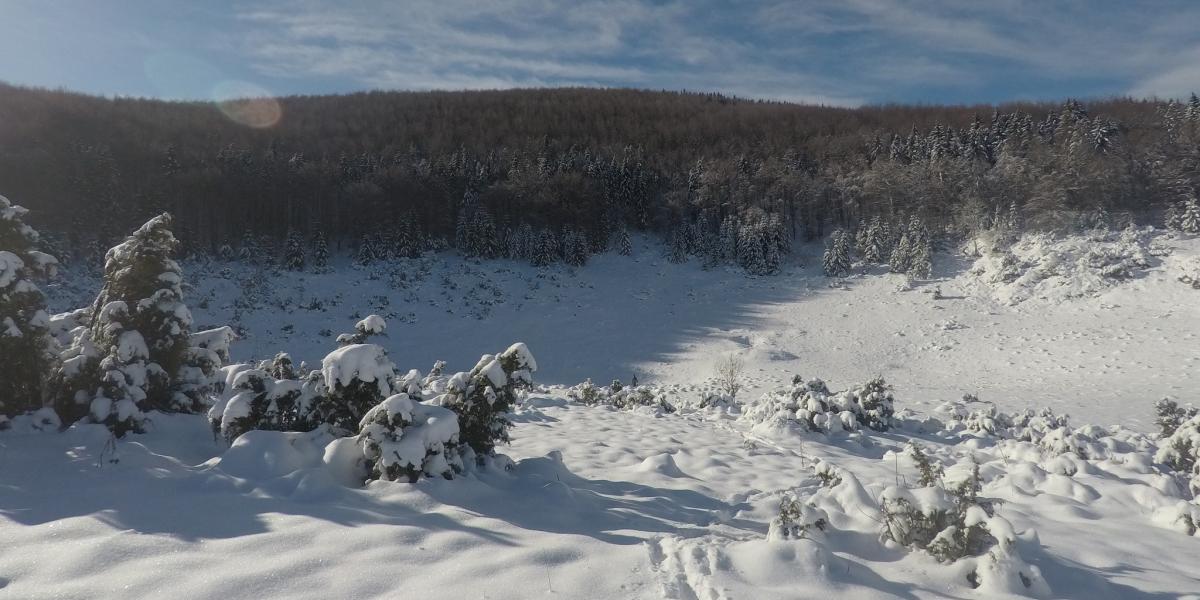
x: 843, y: 52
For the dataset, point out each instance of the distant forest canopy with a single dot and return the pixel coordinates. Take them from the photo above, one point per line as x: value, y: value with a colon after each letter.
x: 541, y: 174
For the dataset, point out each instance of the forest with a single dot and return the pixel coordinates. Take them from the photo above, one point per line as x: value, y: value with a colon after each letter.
x: 552, y: 175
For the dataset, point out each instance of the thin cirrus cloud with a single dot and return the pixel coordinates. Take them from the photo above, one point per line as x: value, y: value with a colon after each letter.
x: 839, y: 52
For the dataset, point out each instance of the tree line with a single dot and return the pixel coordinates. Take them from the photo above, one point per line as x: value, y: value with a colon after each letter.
x: 558, y: 174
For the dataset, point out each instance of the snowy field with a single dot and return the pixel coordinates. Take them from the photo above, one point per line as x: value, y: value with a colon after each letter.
x: 1083, y: 345
x: 612, y: 502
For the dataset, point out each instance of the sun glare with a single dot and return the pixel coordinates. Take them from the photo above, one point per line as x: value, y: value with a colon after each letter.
x: 248, y: 104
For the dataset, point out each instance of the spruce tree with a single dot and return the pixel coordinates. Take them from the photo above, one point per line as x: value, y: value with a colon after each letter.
x: 546, y: 252
x: 320, y: 251
x: 249, y: 250
x: 293, y: 255
x: 677, y: 248
x: 138, y: 342
x: 902, y: 254
x: 575, y: 248
x: 366, y: 251
x: 836, y: 260
x: 27, y: 351
x: 1186, y: 217
x: 624, y: 244
x: 921, y: 264
x: 483, y: 398
x: 872, y: 245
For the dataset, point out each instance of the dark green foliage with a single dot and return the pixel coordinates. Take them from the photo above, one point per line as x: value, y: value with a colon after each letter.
x: 1170, y: 415
x: 142, y: 273
x: 484, y: 397
x: 596, y: 160
x: 27, y: 352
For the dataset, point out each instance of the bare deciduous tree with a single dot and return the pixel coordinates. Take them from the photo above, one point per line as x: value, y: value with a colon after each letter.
x: 729, y: 374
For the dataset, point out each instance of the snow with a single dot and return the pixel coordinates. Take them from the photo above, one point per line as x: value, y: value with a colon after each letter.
x: 10, y: 267
x: 619, y: 500
x: 366, y: 362
x: 623, y: 316
x: 373, y: 324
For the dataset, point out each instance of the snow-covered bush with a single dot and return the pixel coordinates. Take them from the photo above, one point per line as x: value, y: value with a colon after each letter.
x: 797, y: 519
x: 199, y: 380
x: 1170, y: 415
x: 953, y: 525
x: 984, y: 419
x: 1190, y: 272
x: 403, y: 439
x: 363, y: 330
x: 28, y: 351
x: 483, y: 398
x: 810, y: 406
x: 1181, y: 451
x: 358, y: 377
x: 1040, y: 265
x: 626, y: 397
x: 257, y: 400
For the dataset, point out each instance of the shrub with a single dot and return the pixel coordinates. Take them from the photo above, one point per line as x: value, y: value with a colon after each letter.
x: 403, y: 439
x: 483, y: 397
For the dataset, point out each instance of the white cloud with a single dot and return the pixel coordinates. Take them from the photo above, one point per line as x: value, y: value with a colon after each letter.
x: 783, y: 50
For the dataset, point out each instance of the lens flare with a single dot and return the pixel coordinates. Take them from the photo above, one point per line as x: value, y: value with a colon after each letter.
x: 247, y: 103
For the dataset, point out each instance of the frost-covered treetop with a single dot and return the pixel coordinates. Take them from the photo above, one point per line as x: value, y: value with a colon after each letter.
x: 364, y: 362
x: 363, y: 330
x: 142, y: 265
x: 518, y: 361
x: 373, y: 324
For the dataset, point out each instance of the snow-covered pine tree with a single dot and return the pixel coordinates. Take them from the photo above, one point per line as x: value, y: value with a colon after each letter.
x: 466, y: 213
x: 402, y: 439
x: 1186, y: 215
x: 526, y: 244
x: 483, y: 397
x: 358, y: 377
x: 778, y: 236
x: 575, y: 248
x: 836, y: 260
x: 480, y: 236
x: 293, y: 254
x: 249, y: 250
x: 27, y: 351
x: 118, y: 394
x: 366, y: 251
x: 268, y: 256
x: 546, y: 251
x: 873, y: 248
x: 142, y: 272
x: 860, y: 237
x: 320, y: 251
x: 138, y: 342
x: 372, y: 325
x: 624, y: 244
x: 677, y: 247
x: 902, y: 254
x: 921, y: 261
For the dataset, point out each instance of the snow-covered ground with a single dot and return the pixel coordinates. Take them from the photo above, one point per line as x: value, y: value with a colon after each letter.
x: 1106, y: 355
x: 613, y: 504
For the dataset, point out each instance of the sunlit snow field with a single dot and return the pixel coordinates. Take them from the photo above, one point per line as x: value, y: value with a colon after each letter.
x: 611, y: 503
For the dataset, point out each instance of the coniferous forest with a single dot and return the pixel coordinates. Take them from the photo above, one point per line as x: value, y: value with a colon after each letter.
x: 555, y: 175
